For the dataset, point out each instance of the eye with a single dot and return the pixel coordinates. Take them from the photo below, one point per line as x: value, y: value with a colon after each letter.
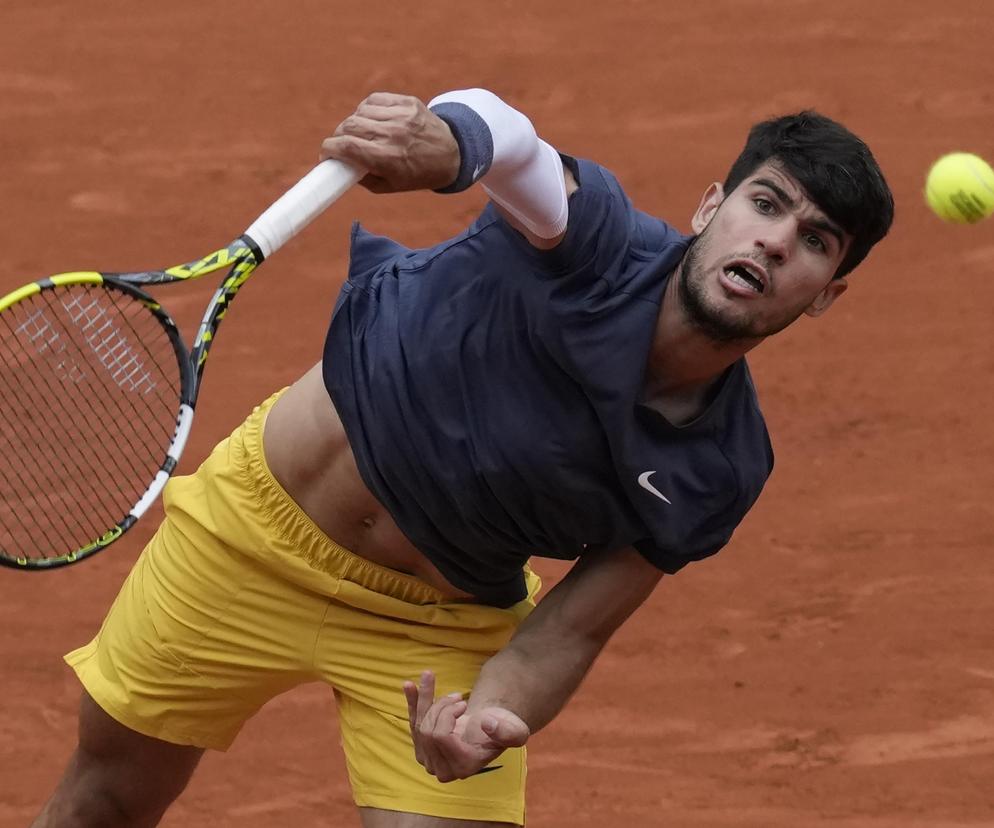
x: 764, y: 205
x: 814, y: 241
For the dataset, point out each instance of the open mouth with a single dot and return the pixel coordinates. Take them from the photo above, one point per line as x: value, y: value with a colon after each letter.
x: 743, y: 276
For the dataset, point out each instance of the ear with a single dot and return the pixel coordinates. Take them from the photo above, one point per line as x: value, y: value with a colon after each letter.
x: 710, y: 201
x: 823, y: 301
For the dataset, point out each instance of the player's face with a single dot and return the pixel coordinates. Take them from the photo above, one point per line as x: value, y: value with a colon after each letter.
x: 765, y: 254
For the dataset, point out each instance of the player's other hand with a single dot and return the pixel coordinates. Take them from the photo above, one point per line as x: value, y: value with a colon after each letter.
x: 400, y: 143
x: 450, y: 742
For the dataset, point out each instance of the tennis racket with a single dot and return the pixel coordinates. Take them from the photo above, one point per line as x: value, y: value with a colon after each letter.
x: 98, y: 389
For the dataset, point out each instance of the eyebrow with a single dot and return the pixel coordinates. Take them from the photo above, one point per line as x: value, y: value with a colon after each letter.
x: 817, y: 223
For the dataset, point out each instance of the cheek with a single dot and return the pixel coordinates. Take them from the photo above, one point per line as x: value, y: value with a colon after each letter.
x: 720, y: 240
x: 730, y: 227
x: 812, y: 272
x: 798, y: 295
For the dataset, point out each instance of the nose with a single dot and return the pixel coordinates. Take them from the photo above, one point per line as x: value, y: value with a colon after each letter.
x: 774, y: 239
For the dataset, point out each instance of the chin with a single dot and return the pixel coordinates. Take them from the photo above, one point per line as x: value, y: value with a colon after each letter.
x: 725, y: 318
x: 714, y: 313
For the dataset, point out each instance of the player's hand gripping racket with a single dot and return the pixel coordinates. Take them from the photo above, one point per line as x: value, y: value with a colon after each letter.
x: 97, y: 388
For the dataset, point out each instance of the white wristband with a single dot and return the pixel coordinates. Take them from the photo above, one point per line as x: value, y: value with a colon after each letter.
x: 525, y: 175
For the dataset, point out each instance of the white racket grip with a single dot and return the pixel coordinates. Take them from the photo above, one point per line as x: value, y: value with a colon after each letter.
x: 301, y: 204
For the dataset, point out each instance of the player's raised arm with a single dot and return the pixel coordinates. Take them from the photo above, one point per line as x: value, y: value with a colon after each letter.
x: 460, y: 138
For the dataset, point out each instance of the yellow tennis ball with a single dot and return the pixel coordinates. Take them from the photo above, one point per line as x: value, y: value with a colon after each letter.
x: 960, y: 188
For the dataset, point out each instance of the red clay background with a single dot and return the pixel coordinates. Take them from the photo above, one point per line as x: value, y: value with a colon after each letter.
x: 835, y: 664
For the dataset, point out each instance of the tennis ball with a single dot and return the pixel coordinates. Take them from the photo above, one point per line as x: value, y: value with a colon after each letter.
x: 960, y: 188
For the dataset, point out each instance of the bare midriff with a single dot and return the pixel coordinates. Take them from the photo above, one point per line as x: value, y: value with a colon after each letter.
x: 308, y: 453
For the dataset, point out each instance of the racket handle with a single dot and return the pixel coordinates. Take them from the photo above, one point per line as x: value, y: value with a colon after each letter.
x: 301, y: 204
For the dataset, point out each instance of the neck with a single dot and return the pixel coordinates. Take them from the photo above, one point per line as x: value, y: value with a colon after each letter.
x: 683, y: 360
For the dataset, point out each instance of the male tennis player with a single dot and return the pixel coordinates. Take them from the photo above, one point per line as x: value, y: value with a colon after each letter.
x: 566, y: 378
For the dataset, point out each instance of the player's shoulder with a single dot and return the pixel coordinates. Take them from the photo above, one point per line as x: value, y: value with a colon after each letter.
x: 595, y: 177
x: 645, y: 233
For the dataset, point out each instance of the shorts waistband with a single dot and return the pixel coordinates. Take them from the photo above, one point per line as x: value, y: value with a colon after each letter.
x: 298, y: 537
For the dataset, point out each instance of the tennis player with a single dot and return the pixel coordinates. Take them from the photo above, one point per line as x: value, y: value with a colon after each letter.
x: 566, y: 378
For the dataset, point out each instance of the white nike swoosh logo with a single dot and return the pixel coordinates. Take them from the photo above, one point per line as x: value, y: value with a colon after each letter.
x: 645, y: 484
x: 477, y: 171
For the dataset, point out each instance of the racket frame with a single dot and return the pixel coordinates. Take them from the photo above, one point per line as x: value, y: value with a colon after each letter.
x: 286, y: 217
x: 188, y: 379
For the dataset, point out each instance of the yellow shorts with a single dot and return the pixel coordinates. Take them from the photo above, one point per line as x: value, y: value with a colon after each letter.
x: 239, y: 597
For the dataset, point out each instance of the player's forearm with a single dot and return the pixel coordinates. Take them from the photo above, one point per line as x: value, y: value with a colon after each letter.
x: 472, y: 135
x: 541, y: 667
x: 534, y: 676
x: 499, y: 147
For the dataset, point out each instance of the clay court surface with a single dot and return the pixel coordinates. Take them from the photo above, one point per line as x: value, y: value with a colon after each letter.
x: 835, y: 664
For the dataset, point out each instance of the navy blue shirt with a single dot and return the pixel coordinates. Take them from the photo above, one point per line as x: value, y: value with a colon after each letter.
x: 492, y: 397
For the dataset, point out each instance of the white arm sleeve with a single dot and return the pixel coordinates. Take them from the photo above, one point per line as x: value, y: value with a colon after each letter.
x: 526, y: 175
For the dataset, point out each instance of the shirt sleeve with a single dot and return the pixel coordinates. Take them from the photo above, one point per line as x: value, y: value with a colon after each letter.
x: 672, y: 562
x: 599, y: 229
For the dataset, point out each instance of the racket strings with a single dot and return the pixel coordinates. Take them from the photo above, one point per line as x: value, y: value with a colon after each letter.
x: 89, y: 400
x: 69, y: 450
x: 68, y: 445
x: 67, y: 368
x: 10, y: 450
x: 126, y: 365
x: 107, y: 342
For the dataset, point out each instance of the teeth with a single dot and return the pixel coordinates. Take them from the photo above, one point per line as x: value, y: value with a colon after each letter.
x: 739, y: 279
